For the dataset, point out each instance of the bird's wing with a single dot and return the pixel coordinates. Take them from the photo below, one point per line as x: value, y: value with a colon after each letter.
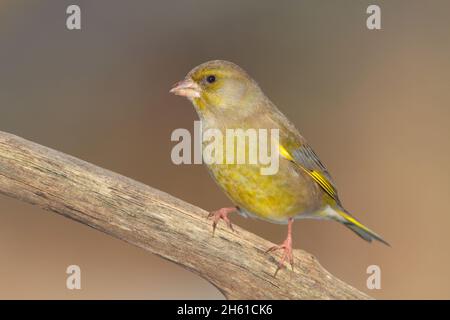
x: 306, y: 159
x: 293, y: 147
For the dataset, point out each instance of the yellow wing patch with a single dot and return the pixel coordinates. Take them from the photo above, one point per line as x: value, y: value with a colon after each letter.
x: 323, y: 182
x: 317, y: 176
x: 285, y: 153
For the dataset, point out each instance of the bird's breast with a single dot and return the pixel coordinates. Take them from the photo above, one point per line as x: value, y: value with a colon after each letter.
x: 272, y: 197
x: 286, y: 193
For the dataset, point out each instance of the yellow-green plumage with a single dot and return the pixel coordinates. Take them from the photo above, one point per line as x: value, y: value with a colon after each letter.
x: 302, y: 187
x: 271, y: 197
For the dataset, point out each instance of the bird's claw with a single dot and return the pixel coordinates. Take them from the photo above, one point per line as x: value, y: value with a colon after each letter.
x: 287, y: 254
x: 221, y: 214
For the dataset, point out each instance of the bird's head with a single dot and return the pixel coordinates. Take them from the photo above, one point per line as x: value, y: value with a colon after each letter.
x: 218, y: 85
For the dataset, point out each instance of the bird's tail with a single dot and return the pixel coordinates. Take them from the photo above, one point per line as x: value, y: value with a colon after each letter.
x: 357, y: 227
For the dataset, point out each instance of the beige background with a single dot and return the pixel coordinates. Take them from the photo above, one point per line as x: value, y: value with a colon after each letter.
x: 375, y: 106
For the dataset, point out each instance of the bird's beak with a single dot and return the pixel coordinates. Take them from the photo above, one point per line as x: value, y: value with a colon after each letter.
x: 186, y: 88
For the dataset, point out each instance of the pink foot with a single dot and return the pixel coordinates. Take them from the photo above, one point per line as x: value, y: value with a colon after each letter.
x: 287, y: 247
x: 221, y: 214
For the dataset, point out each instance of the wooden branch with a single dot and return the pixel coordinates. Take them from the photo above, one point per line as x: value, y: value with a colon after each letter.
x: 236, y: 263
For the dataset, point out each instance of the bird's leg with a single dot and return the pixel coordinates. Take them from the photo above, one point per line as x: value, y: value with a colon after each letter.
x: 287, y: 247
x: 221, y: 214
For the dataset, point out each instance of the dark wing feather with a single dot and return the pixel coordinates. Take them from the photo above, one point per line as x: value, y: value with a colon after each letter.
x: 306, y: 158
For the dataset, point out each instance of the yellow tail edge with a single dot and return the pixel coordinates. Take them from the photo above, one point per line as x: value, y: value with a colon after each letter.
x: 360, y: 229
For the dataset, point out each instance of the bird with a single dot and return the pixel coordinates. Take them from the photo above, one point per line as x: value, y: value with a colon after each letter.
x: 226, y: 97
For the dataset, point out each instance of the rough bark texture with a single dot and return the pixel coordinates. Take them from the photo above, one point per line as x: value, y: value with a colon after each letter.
x: 236, y: 263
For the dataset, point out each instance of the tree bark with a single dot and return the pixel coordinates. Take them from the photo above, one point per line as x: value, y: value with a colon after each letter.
x: 234, y: 262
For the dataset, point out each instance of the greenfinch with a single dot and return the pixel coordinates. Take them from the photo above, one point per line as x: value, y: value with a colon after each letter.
x: 226, y: 97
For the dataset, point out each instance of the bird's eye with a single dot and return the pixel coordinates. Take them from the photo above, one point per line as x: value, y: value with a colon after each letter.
x: 211, y: 79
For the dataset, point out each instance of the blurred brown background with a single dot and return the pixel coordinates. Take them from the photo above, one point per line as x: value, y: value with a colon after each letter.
x: 375, y: 105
